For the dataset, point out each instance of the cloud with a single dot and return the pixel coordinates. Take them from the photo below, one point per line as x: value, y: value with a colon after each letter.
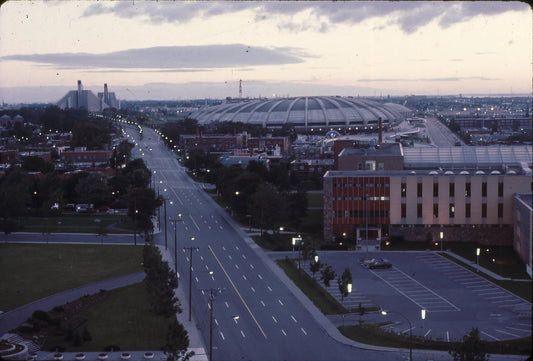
x: 408, y: 15
x: 425, y: 79
x: 171, y: 57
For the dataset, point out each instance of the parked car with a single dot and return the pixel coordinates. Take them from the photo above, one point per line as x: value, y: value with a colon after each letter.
x: 373, y: 263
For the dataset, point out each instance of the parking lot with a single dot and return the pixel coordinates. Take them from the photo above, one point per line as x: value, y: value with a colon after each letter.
x: 455, y: 299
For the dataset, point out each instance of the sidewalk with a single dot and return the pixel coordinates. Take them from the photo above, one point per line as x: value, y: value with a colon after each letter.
x: 196, y: 342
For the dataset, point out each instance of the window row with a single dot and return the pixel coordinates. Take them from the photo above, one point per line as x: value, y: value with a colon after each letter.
x: 361, y: 198
x: 451, y: 191
x: 362, y: 214
x: 451, y: 210
x: 360, y: 185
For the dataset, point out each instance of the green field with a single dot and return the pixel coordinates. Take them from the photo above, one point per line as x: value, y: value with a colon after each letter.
x: 124, y: 319
x: 86, y: 223
x: 32, y: 271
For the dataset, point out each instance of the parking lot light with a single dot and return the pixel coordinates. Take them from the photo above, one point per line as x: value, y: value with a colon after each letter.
x: 441, y: 236
x: 478, y: 251
x: 384, y: 313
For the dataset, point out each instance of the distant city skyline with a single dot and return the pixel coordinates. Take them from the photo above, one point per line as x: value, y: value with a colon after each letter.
x: 189, y: 50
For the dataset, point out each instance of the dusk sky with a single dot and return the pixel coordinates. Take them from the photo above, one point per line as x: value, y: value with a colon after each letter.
x: 187, y: 50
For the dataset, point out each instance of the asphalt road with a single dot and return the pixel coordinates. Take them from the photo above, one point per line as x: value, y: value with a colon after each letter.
x: 256, y: 316
x: 440, y: 135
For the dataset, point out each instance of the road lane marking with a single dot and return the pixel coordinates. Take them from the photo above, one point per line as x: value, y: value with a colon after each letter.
x: 294, y: 319
x: 507, y: 333
x: 427, y: 333
x: 270, y: 289
x: 262, y: 303
x: 274, y: 318
x: 237, y: 291
x: 227, y: 305
x: 305, y: 333
x: 497, y: 339
x: 253, y: 289
x: 283, y: 331
x: 242, y: 333
x: 243, y: 276
x: 281, y: 303
x: 258, y: 275
x: 252, y: 266
x: 193, y: 221
x: 448, y: 336
x: 222, y: 335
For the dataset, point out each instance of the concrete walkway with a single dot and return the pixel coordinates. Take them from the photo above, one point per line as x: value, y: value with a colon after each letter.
x: 14, y: 318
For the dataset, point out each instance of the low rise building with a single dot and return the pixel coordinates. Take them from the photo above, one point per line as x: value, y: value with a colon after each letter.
x: 522, y: 228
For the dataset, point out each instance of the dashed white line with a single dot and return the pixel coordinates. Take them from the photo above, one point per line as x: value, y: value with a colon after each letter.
x: 243, y: 276
x: 281, y: 303
x: 237, y: 266
x: 427, y: 333
x: 283, y: 331
x: 243, y: 256
x: 305, y: 333
x: 226, y: 303
x: 262, y: 303
x: 242, y: 333
x: 216, y: 321
x: 258, y: 275
x: 490, y: 336
x: 270, y: 289
x: 229, y: 256
x: 274, y: 318
x: 294, y: 319
x: 196, y: 278
x: 252, y: 266
x: 253, y: 289
x: 222, y: 335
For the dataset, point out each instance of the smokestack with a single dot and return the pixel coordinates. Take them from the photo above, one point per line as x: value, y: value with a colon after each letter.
x: 80, y: 90
x: 106, y: 94
x: 380, y: 130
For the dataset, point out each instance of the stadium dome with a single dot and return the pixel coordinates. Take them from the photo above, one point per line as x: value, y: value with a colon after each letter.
x: 305, y: 113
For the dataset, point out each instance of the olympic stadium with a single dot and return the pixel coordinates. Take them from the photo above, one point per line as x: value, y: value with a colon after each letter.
x: 318, y: 113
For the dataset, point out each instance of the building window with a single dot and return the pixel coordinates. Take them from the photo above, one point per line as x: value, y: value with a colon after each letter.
x: 500, y: 210
x: 467, y: 210
x: 419, y: 210
x: 468, y: 190
x: 419, y: 189
x: 484, y: 210
x: 483, y: 189
x: 435, y: 189
x: 452, y: 189
x: 404, y: 190
x: 435, y: 211
x: 452, y: 210
x: 404, y: 210
x: 500, y: 189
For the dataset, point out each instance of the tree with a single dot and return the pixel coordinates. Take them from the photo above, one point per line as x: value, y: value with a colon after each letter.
x: 328, y: 274
x: 343, y: 281
x: 471, y: 349
x: 315, y: 267
x: 37, y: 164
x: 177, y: 342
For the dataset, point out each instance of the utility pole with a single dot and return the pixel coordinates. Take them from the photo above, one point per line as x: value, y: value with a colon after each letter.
x: 176, y: 242
x: 165, y: 202
x: 190, y: 275
x: 212, y: 294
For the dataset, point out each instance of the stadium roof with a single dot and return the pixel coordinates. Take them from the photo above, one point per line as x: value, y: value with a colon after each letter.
x: 305, y: 112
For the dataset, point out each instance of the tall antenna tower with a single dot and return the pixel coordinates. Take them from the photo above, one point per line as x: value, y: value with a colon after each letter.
x: 240, y: 88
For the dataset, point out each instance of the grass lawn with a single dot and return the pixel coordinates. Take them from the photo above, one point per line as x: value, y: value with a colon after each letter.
x: 124, y: 319
x: 86, y: 223
x: 320, y: 297
x: 315, y: 200
x: 32, y: 271
x: 373, y: 334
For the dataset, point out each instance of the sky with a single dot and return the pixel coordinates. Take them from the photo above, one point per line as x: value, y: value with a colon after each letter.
x: 172, y: 50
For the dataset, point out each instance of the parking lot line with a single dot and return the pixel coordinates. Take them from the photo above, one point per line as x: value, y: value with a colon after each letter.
x: 497, y: 339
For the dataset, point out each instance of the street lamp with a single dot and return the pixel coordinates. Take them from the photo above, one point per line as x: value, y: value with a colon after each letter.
x: 190, y: 274
x: 179, y: 219
x: 384, y: 313
x: 441, y: 236
x: 478, y: 251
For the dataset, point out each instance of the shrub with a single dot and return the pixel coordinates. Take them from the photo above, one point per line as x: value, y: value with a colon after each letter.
x: 57, y: 348
x: 110, y: 348
x: 42, y: 315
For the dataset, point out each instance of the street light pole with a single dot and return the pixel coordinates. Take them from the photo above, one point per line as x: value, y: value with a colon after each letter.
x: 212, y: 294
x: 441, y: 234
x: 176, y: 243
x: 190, y: 275
x: 410, y: 331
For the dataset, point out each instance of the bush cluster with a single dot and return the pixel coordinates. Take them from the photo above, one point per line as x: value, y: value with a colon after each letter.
x: 160, y: 283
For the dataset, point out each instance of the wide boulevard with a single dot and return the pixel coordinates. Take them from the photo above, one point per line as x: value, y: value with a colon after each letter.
x: 255, y: 315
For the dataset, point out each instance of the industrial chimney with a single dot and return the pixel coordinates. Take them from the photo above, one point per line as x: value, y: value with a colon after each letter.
x: 106, y: 94
x: 80, y: 90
